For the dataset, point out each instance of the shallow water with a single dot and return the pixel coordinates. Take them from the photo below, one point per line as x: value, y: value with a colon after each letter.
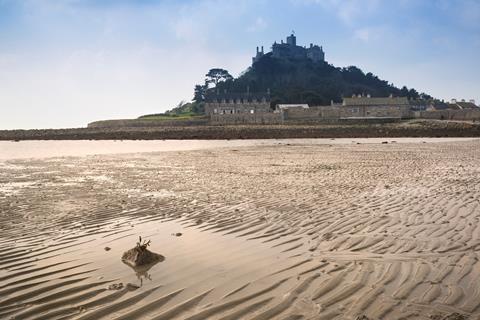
x: 65, y: 148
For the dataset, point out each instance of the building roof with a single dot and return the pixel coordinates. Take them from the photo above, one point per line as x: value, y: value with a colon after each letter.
x: 366, y: 101
x: 465, y: 105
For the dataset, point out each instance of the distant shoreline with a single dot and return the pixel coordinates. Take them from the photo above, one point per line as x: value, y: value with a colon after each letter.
x: 416, y: 128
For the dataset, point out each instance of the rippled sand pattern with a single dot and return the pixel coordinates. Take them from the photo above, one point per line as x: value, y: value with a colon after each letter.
x: 390, y: 231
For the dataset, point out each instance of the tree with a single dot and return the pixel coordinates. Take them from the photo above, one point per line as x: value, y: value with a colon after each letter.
x: 217, y: 75
x: 199, y: 93
x: 413, y: 94
x: 404, y: 91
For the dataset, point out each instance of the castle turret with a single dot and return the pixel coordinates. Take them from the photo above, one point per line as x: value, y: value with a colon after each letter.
x: 257, y: 56
x: 292, y: 40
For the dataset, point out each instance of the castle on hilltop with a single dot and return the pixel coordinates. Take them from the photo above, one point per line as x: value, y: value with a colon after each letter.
x: 290, y: 50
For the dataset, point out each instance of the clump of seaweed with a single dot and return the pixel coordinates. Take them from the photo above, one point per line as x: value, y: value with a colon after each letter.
x: 144, y: 245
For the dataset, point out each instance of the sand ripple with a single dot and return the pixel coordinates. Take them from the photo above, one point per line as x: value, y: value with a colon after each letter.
x: 293, y: 231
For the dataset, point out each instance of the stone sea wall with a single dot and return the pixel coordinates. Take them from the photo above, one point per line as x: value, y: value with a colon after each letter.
x: 424, y: 128
x: 143, y: 123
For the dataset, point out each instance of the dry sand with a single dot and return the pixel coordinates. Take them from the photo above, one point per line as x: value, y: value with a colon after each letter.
x: 283, y: 231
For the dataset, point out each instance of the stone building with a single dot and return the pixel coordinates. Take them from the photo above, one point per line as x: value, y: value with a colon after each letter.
x: 238, y: 104
x: 290, y: 50
x: 367, y: 107
x: 357, y: 107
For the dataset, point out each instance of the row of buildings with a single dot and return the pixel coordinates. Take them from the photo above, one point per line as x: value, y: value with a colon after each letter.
x: 253, y: 108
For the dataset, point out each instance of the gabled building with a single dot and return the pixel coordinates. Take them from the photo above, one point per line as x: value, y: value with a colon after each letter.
x: 368, y: 107
x: 238, y: 103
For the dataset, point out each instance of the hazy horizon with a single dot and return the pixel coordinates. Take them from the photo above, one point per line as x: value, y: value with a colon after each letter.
x: 68, y: 63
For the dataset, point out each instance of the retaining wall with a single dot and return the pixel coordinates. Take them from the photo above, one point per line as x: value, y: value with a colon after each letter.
x: 461, y: 115
x: 246, y: 118
x: 142, y: 123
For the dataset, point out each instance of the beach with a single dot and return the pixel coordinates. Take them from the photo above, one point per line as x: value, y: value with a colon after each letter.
x: 270, y: 229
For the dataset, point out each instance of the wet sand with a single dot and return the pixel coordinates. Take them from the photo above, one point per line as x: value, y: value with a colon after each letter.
x: 285, y: 230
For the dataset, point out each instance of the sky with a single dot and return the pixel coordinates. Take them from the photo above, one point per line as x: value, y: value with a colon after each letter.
x: 65, y: 63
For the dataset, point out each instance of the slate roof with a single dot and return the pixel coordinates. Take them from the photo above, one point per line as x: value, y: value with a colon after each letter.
x: 466, y: 105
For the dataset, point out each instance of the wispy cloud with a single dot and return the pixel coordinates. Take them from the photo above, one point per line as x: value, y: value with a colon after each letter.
x: 348, y: 11
x: 258, y: 25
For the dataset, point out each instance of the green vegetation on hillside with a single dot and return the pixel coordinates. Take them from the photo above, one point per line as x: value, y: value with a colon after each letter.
x: 292, y: 81
x: 183, y: 111
x: 305, y: 81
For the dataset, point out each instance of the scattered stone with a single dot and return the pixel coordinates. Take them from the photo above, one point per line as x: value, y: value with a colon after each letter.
x: 119, y: 286
x: 178, y: 234
x: 384, y: 142
x: 131, y: 287
x: 115, y: 286
x: 452, y: 316
x: 141, y: 256
x: 327, y: 236
x: 107, y: 248
x: 198, y: 222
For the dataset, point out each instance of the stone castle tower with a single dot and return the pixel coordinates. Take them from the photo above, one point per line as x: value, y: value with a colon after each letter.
x: 290, y: 50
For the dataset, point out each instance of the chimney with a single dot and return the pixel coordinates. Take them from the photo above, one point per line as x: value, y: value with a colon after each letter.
x: 454, y: 100
x: 262, y: 49
x: 257, y: 49
x: 311, y: 45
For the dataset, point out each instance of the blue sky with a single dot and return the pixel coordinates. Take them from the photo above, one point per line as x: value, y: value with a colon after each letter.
x: 64, y: 63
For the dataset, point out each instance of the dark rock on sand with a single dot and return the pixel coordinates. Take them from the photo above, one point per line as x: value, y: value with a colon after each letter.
x: 120, y: 286
x: 140, y: 256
